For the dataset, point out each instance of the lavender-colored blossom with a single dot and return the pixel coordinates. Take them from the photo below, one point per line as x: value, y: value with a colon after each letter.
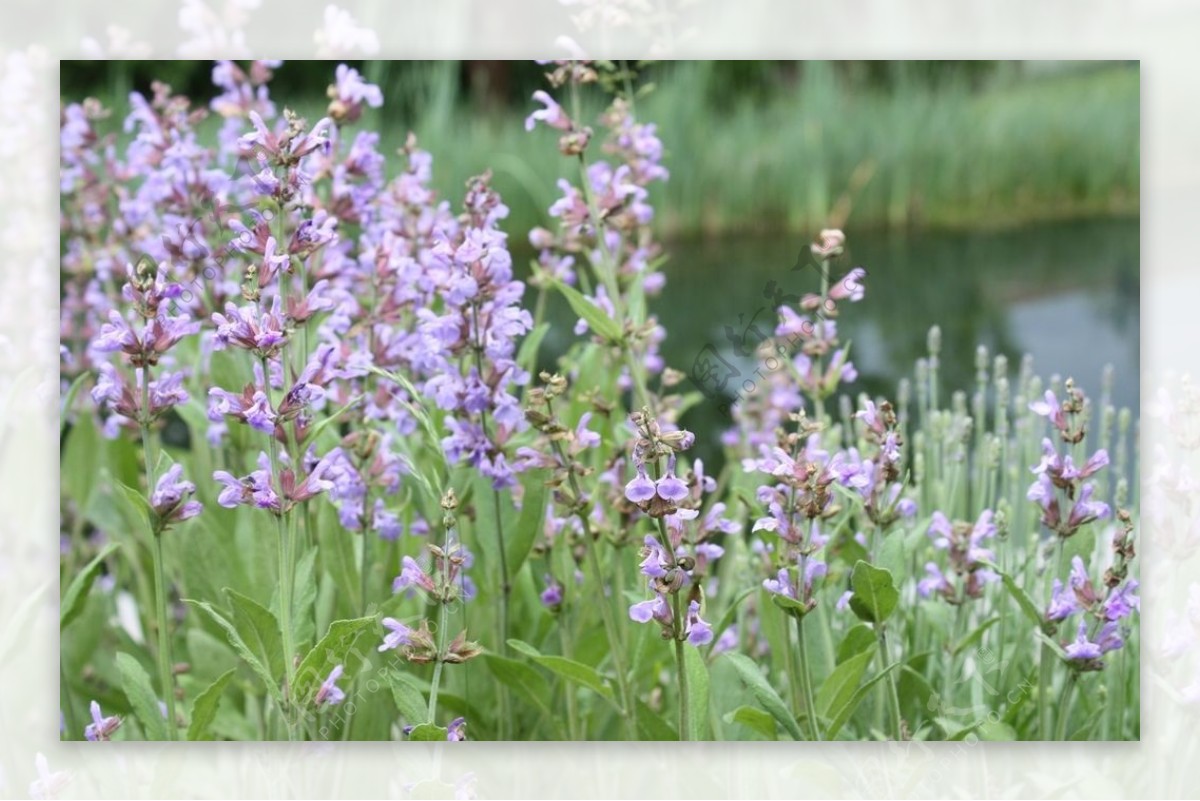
x: 1121, y: 602
x: 641, y: 488
x: 655, y: 559
x: 552, y: 115
x: 457, y: 730
x: 1049, y: 407
x: 728, y: 641
x: 843, y: 601
x: 412, y: 575
x: 850, y: 287
x: 552, y: 596
x: 1082, y: 648
x: 656, y: 608
x: 329, y: 692
x: 1062, y: 602
x: 1086, y: 510
x: 170, y: 494
x: 101, y: 728
x: 698, y: 632
x: 781, y: 584
x: 350, y: 89
x: 934, y: 582
x: 398, y: 634
x: 669, y: 487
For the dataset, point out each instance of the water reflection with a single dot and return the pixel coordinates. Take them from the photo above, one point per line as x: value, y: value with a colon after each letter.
x: 1067, y: 293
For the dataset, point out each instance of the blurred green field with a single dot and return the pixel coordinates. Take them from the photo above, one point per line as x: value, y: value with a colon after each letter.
x: 766, y: 146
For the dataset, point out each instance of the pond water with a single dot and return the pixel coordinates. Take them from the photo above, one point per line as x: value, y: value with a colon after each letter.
x: 1067, y: 293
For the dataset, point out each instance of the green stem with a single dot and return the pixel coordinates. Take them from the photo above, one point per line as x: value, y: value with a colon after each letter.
x: 160, y: 582
x: 616, y: 649
x: 437, y: 665
x: 164, y: 635
x: 564, y: 634
x: 610, y: 629
x: 1064, y: 715
x: 286, y: 571
x: 443, y: 623
x: 893, y: 692
x: 685, y: 717
x: 810, y: 703
x: 367, y: 521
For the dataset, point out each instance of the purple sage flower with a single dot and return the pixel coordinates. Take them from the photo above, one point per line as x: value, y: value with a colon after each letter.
x: 330, y: 693
x: 398, y: 634
x: 101, y: 728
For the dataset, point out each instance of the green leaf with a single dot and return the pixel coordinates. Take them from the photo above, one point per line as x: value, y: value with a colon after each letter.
x: 428, y: 733
x: 838, y: 688
x: 840, y: 716
x: 964, y: 732
x: 914, y: 689
x: 1022, y: 598
x: 204, y: 708
x: 731, y: 612
x: 335, y: 648
x: 791, y: 606
x: 409, y: 697
x: 81, y: 456
x: 259, y: 629
x: 754, y: 719
x: 697, y: 677
x: 892, y: 556
x: 875, y: 596
x: 651, y: 726
x: 243, y: 650
x: 1081, y: 544
x: 75, y: 598
x: 136, y: 505
x: 303, y: 627
x: 321, y: 426
x: 533, y: 516
x: 337, y: 557
x: 995, y: 731
x: 135, y: 683
x: 857, y: 639
x: 975, y: 636
x: 69, y: 399
x: 596, y: 318
x: 526, y: 681
x: 764, y: 693
x: 569, y: 669
x: 528, y: 353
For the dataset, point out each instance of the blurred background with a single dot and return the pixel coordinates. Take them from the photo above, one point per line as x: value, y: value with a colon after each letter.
x: 999, y: 200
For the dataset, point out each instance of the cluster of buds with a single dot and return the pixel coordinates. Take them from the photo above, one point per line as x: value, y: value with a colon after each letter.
x: 1067, y: 417
x: 1123, y: 550
x: 804, y: 485
x: 653, y: 442
x: 564, y: 457
x: 829, y: 243
x: 662, y: 495
x: 877, y: 480
x: 445, y: 582
x: 571, y: 71
x: 419, y: 646
x: 1057, y: 474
